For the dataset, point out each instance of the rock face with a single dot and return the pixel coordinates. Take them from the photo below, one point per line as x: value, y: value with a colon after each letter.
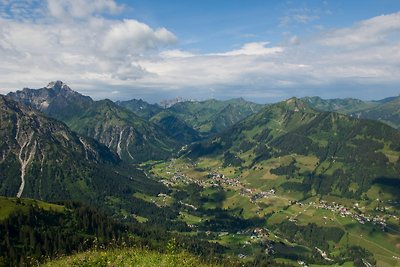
x: 42, y: 158
x: 131, y: 137
x: 56, y: 100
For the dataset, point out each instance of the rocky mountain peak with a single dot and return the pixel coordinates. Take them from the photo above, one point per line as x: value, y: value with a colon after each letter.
x: 58, y: 86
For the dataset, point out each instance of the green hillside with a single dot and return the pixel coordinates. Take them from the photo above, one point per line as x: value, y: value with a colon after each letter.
x: 8, y: 206
x: 344, y: 150
x: 175, y: 127
x: 345, y: 105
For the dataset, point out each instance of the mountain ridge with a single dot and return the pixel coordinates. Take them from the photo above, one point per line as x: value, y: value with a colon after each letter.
x: 131, y: 137
x: 32, y: 140
x: 283, y: 129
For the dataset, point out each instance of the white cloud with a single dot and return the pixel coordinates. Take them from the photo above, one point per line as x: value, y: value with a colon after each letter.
x: 176, y: 53
x: 103, y: 55
x: 253, y: 49
x: 75, y: 50
x: 81, y: 8
x: 133, y: 37
x: 310, y: 63
x: 372, y: 31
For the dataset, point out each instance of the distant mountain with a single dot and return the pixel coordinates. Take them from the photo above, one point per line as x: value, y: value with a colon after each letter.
x: 211, y: 116
x: 57, y: 100
x: 131, y: 137
x: 345, y: 105
x: 386, y: 110
x: 188, y: 121
x: 319, y: 152
x: 141, y: 108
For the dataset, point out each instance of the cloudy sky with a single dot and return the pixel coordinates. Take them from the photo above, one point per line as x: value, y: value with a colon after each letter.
x: 261, y: 50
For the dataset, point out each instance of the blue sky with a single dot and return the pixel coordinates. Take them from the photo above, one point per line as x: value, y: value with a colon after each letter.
x: 263, y: 51
x: 218, y: 25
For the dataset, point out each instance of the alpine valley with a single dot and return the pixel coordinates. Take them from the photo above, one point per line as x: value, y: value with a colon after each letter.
x: 302, y: 182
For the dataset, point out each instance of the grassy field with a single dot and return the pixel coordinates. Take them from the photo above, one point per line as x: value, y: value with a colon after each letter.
x: 10, y: 205
x: 160, y: 201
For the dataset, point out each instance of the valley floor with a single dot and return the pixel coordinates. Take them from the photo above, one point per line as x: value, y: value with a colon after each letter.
x: 372, y: 224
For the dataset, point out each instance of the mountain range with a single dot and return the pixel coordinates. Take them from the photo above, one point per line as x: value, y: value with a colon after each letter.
x: 151, y: 134
x: 264, y: 181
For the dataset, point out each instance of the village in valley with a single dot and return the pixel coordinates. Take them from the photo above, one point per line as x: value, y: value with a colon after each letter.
x: 215, y: 178
x: 176, y: 174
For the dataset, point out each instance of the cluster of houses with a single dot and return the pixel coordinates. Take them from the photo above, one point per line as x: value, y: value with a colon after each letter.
x: 219, y: 179
x: 262, y: 194
x: 354, y: 212
x: 254, y: 194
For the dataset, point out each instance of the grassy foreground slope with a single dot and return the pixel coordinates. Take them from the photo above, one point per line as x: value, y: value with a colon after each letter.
x: 129, y: 257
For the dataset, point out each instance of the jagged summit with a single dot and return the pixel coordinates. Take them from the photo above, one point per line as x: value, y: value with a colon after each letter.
x: 53, y: 99
x: 58, y: 86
